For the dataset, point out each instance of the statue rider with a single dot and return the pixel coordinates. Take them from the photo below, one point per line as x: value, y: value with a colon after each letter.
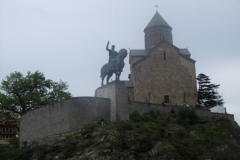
x: 112, y: 57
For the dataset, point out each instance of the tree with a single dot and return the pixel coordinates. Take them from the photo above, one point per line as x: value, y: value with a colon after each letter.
x: 19, y: 94
x: 207, y: 92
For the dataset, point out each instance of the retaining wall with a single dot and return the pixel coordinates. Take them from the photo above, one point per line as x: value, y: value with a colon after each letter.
x: 63, y: 117
x: 74, y: 113
x: 143, y: 108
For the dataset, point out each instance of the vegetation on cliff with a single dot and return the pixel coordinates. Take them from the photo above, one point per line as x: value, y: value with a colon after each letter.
x: 180, y: 136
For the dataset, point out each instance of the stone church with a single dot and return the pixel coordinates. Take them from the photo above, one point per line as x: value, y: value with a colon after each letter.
x: 161, y: 72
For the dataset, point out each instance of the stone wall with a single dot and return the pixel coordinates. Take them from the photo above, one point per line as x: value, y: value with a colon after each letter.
x: 72, y: 114
x: 143, y: 108
x: 117, y: 92
x: 63, y: 117
x: 191, y: 69
x: 157, y: 76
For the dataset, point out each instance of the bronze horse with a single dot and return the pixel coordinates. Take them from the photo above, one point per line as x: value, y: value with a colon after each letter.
x: 118, y: 67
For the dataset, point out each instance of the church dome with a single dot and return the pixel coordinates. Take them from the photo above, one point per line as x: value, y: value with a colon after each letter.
x: 157, y: 20
x: 156, y: 31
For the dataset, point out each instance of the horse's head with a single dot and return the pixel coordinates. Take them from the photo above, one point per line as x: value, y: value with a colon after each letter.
x: 123, y: 53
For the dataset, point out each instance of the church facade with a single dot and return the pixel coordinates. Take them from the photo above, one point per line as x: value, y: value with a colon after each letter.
x: 162, y: 72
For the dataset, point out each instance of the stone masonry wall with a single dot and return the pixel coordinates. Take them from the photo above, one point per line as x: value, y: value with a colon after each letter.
x: 156, y: 77
x: 142, y: 108
x: 117, y: 92
x: 62, y: 117
x: 191, y: 69
x: 132, y: 60
x: 108, y: 91
x: 71, y: 115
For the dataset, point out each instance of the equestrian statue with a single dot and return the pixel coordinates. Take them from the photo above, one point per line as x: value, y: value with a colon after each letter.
x: 115, y: 63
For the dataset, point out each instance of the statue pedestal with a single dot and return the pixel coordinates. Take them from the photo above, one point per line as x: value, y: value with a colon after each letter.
x: 116, y: 91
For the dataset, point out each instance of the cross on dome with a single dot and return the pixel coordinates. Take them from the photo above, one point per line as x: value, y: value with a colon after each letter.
x: 156, y: 7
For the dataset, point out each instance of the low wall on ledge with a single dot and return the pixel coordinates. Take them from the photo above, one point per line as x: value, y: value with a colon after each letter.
x: 141, y: 108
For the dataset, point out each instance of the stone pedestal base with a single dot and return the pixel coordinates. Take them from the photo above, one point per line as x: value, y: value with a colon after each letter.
x: 116, y: 91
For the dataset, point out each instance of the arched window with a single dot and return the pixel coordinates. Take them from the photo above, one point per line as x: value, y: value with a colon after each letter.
x: 164, y: 56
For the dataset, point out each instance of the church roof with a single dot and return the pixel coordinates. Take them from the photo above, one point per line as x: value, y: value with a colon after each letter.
x: 138, y: 52
x: 185, y: 51
x: 157, y: 20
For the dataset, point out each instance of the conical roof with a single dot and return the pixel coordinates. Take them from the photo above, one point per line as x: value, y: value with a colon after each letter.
x: 157, y: 20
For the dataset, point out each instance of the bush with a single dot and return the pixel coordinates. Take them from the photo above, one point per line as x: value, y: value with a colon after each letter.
x: 15, y: 143
x: 187, y: 116
x: 135, y: 116
x: 124, y: 125
x: 173, y: 111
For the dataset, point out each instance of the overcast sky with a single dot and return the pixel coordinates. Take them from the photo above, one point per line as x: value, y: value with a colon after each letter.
x: 66, y: 39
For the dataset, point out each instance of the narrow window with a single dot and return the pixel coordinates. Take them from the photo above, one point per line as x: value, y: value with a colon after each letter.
x: 166, y: 99
x: 164, y: 56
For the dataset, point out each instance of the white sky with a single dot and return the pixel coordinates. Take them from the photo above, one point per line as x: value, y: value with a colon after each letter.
x: 66, y: 39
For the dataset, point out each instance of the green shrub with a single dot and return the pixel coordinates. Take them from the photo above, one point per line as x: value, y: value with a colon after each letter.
x: 198, y: 106
x: 187, y: 116
x: 154, y: 114
x: 135, y: 116
x: 173, y: 111
x: 181, y: 132
x: 124, y: 125
x: 88, y: 128
x: 15, y: 143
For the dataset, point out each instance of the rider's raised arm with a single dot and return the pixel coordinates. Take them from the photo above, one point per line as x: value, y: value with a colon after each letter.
x: 107, y: 46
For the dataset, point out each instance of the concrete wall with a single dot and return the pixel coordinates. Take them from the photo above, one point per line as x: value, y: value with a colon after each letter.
x: 63, y: 117
x: 116, y: 91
